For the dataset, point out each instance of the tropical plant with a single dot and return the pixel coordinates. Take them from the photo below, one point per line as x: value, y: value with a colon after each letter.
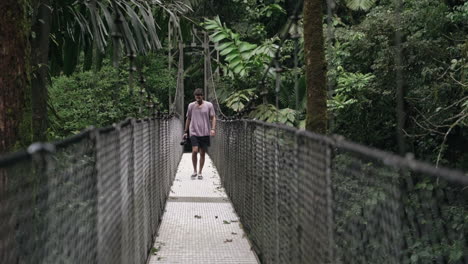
x: 90, y: 29
x: 360, y: 4
x: 269, y: 113
x: 91, y: 26
x: 237, y: 100
x: 160, y: 80
x: 90, y: 99
x: 434, y: 77
x: 350, y: 89
x: 241, y: 56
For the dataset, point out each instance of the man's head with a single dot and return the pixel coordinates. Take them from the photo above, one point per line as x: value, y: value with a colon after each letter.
x: 198, y: 93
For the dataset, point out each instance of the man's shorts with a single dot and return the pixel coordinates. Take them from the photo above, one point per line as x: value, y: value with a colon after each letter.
x: 202, y: 142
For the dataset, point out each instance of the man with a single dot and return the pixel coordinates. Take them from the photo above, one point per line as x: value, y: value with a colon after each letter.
x: 201, y: 124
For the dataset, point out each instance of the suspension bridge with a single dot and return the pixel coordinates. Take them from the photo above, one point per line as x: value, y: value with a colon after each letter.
x: 122, y: 195
x: 271, y: 194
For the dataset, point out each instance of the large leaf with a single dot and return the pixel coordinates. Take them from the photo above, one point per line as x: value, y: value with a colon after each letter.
x: 235, y: 62
x: 244, y: 46
x: 238, y: 68
x: 218, y: 36
x: 360, y: 4
x: 233, y: 56
x: 237, y: 100
x: 269, y: 113
x: 227, y: 51
x: 225, y: 45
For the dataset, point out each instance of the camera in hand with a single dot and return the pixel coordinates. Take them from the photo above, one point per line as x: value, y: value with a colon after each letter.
x: 185, y: 140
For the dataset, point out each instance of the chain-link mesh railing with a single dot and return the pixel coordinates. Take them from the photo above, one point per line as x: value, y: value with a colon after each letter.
x: 94, y: 198
x: 307, y: 198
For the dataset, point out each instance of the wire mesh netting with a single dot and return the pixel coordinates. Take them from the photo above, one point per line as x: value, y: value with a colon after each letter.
x: 307, y: 198
x: 94, y: 198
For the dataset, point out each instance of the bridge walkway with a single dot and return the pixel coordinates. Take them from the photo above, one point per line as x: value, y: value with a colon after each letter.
x: 199, y: 224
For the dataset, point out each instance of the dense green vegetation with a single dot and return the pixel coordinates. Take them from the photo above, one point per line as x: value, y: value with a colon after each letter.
x: 106, y: 96
x: 361, y: 54
x: 435, y: 74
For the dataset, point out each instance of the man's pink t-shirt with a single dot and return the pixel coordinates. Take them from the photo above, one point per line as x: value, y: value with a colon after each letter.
x: 200, y: 124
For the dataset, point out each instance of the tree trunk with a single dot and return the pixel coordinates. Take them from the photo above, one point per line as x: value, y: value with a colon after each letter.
x: 14, y: 82
x: 40, y: 61
x: 14, y: 68
x: 315, y: 67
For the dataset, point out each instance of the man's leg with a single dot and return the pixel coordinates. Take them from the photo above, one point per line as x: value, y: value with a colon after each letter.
x: 202, y: 159
x: 194, y: 158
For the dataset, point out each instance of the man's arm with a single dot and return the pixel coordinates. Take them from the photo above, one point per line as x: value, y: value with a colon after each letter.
x: 213, y: 125
x: 187, y: 122
x: 187, y: 125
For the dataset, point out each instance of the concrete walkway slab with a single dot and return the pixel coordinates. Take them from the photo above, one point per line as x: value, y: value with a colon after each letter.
x: 200, y: 224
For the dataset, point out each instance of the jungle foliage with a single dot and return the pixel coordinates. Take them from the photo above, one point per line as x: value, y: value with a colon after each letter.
x: 88, y: 98
x: 361, y: 54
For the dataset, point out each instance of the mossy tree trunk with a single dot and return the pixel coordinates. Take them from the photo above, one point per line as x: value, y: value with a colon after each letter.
x: 315, y: 67
x: 14, y: 70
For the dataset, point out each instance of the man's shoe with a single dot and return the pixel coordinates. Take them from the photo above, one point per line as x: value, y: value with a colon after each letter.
x: 200, y: 177
x: 194, y: 176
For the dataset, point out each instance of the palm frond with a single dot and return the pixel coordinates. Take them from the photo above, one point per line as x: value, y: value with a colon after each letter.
x: 360, y: 4
x: 92, y: 23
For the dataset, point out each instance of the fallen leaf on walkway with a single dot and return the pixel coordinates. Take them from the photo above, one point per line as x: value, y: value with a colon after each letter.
x: 154, y: 251
x: 198, y: 216
x: 226, y: 222
x: 234, y: 221
x: 233, y: 233
x: 216, y: 216
x: 227, y: 240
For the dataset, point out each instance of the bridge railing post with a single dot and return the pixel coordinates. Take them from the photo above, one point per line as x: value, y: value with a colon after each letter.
x: 42, y: 163
x: 127, y: 181
x: 314, y: 223
x: 109, y: 200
